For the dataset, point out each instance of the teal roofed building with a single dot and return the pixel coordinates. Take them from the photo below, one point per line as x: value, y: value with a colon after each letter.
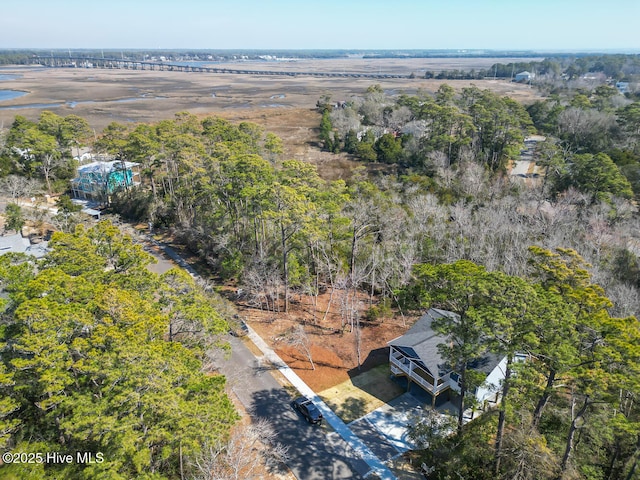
x: 98, y: 180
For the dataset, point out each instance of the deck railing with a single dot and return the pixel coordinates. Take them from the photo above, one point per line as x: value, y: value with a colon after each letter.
x: 400, y: 364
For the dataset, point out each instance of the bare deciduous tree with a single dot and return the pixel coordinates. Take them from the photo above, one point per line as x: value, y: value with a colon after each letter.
x: 586, y: 127
x: 263, y: 284
x: 398, y: 117
x: 299, y: 339
x: 527, y: 456
x: 250, y: 449
x: 345, y: 119
x: 18, y: 186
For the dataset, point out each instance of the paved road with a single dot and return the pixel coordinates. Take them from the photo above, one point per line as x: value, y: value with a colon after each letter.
x: 315, y: 452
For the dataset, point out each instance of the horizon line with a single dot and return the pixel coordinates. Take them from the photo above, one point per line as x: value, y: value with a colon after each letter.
x: 262, y: 49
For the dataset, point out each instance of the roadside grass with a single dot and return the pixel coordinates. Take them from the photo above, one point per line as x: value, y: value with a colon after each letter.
x: 361, y: 394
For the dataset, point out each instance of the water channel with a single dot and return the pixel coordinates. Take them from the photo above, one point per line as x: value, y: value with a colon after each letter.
x: 11, y: 94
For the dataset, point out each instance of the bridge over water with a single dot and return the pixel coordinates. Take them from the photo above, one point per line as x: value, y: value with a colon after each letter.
x: 114, y: 63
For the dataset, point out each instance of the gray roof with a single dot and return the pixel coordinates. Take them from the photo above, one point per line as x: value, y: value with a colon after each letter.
x: 18, y: 244
x: 13, y: 243
x: 421, y: 343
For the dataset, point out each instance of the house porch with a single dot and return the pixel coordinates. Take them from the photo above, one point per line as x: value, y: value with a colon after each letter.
x: 403, y: 366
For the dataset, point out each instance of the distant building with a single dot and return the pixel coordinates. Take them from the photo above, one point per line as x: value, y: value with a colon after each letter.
x: 16, y: 243
x: 98, y: 180
x: 594, y: 77
x: 85, y: 154
x: 623, y: 87
x: 523, y: 77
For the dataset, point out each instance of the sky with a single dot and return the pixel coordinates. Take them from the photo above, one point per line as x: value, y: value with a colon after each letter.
x: 543, y: 25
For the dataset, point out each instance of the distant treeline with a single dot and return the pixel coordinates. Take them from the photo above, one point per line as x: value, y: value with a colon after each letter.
x: 16, y: 57
x: 618, y: 67
x: 611, y: 65
x: 615, y: 66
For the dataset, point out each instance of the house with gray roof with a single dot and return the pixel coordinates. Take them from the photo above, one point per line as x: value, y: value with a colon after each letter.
x: 416, y: 356
x: 16, y: 243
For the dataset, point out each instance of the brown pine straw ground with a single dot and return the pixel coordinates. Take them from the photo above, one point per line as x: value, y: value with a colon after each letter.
x: 333, y: 346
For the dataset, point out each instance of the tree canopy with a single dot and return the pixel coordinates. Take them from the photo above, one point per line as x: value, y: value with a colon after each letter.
x: 578, y: 384
x: 97, y: 358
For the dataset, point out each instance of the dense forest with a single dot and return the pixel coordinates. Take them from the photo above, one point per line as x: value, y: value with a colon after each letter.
x: 549, y: 269
x: 555, y: 72
x: 103, y: 357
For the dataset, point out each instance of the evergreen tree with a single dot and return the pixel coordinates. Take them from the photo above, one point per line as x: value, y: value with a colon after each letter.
x: 94, y: 362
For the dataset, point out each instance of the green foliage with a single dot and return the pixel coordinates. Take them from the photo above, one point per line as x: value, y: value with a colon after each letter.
x: 492, y: 126
x: 464, y: 289
x: 14, y: 220
x: 380, y: 311
x: 366, y: 152
x: 67, y: 217
x: 135, y: 204
x: 500, y: 122
x: 597, y: 176
x: 351, y: 142
x: 544, y: 114
x: 232, y: 265
x: 16, y: 270
x: 388, y: 148
x: 8, y: 405
x: 106, y: 357
x: 277, y: 226
x: 467, y: 454
x: 272, y: 145
x: 581, y: 101
x: 629, y: 119
x: 44, y: 148
x: 326, y: 131
x: 65, y: 205
x: 113, y: 140
x: 583, y: 366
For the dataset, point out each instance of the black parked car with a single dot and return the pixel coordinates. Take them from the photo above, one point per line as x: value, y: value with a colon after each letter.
x: 308, y: 410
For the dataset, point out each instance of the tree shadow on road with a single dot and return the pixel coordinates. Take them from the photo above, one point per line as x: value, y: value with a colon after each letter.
x: 314, y: 451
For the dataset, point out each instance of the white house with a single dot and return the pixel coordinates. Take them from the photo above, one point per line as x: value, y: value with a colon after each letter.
x: 416, y: 356
x: 523, y: 77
